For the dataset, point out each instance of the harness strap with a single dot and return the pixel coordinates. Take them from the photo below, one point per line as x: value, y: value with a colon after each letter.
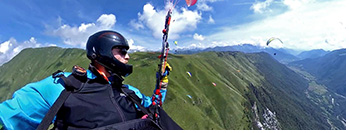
x: 136, y: 124
x: 47, y: 120
x: 133, y: 98
x: 165, y: 122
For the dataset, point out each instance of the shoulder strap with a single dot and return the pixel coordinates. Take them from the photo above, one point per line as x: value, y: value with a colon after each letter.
x: 133, y: 98
x: 46, y: 121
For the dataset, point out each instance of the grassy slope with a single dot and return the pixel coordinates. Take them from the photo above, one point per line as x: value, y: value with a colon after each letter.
x: 211, y: 107
x: 241, y: 79
x: 283, y: 91
x: 32, y: 65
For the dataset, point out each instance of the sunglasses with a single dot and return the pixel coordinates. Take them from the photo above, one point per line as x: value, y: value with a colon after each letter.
x: 123, y: 51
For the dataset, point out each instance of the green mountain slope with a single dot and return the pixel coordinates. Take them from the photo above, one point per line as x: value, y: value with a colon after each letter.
x: 283, y: 92
x: 253, y: 91
x: 35, y: 64
x: 327, y: 84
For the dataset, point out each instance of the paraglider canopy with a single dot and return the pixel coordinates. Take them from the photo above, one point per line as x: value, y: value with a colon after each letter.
x: 214, y: 84
x: 175, y: 42
x: 272, y: 39
x: 189, y: 96
x: 190, y: 2
x: 189, y: 74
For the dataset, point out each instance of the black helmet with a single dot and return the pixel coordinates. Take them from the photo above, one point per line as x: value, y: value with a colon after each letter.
x: 99, y: 48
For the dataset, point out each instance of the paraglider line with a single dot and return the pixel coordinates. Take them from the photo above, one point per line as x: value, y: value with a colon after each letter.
x: 176, y: 3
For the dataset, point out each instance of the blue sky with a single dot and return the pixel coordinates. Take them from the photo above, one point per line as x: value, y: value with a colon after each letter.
x: 300, y: 24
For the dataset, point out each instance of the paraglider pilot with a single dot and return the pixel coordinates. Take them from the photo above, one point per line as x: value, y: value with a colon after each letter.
x: 97, y: 97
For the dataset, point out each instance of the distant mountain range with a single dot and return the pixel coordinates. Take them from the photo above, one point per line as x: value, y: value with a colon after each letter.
x: 282, y: 55
x: 312, y: 54
x: 251, y: 91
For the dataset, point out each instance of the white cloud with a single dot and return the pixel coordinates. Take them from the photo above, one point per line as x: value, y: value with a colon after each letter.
x: 193, y: 46
x: 52, y: 45
x: 312, y: 25
x: 106, y: 20
x: 185, y: 21
x: 199, y: 45
x: 211, y: 20
x: 294, y: 4
x: 83, y: 27
x: 11, y: 48
x: 204, y: 7
x: 4, y: 47
x: 182, y: 21
x: 78, y: 35
x: 136, y: 25
x: 135, y: 47
x: 261, y: 7
x: 198, y: 37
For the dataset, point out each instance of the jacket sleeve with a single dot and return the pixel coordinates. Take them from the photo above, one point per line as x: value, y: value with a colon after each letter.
x: 146, y: 100
x: 29, y: 104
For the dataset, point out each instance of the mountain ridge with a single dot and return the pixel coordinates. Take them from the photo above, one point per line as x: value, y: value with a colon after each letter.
x: 283, y: 55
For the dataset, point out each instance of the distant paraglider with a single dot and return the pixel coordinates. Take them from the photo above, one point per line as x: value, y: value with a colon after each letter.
x: 214, y: 84
x: 175, y: 42
x: 272, y: 39
x: 189, y: 96
x: 189, y: 74
x: 190, y: 2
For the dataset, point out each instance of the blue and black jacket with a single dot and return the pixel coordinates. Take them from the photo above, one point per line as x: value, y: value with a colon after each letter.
x: 95, y: 103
